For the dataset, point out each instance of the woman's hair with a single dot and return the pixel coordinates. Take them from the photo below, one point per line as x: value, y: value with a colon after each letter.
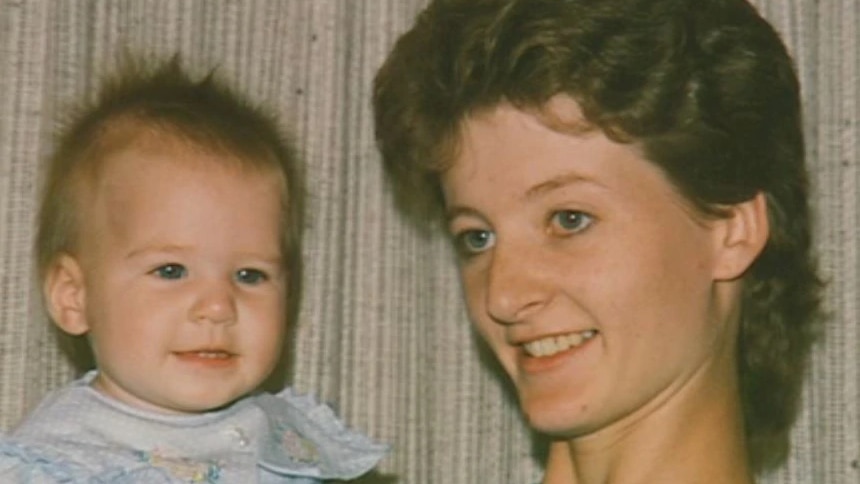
x: 147, y: 99
x: 704, y: 88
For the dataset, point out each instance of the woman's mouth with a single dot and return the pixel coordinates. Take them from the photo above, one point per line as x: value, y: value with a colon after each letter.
x: 553, y: 345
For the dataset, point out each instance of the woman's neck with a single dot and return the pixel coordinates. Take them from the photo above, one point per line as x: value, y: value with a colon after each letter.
x: 695, y: 436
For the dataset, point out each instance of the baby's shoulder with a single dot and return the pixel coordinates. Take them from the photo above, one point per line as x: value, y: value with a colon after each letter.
x: 20, y: 462
x: 59, y: 442
x: 69, y: 462
x: 64, y: 462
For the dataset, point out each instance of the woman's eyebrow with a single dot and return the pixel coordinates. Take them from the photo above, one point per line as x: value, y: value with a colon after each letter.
x: 458, y: 211
x: 562, y: 180
x: 542, y: 188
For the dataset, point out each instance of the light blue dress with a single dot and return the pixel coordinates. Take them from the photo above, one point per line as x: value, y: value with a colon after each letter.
x: 77, y: 435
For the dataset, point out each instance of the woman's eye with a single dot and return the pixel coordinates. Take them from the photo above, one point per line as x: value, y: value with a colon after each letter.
x: 474, y: 241
x: 251, y: 276
x: 170, y: 271
x: 571, y: 221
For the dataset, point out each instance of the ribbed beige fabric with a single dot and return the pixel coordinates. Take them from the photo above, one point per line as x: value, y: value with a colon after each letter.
x: 383, y: 334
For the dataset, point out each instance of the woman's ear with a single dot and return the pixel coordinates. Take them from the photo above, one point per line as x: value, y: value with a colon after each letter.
x: 741, y: 236
x: 65, y: 295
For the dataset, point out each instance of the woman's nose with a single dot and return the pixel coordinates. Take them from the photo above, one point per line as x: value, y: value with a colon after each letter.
x: 215, y: 303
x: 516, y: 285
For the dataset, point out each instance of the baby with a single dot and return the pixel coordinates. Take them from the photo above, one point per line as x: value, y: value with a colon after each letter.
x: 169, y: 238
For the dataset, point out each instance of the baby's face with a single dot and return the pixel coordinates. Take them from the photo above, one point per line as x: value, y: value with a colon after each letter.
x: 184, y: 279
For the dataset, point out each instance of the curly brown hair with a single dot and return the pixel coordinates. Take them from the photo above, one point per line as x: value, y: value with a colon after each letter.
x: 148, y: 97
x: 705, y: 88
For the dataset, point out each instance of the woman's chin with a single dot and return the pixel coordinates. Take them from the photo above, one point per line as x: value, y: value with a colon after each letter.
x: 556, y: 419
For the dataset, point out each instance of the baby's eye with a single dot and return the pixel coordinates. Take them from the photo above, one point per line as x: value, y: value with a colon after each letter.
x: 170, y: 271
x: 571, y: 221
x: 251, y: 276
x: 472, y: 242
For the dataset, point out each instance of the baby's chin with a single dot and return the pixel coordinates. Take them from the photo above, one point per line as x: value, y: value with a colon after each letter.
x: 171, y: 403
x: 194, y: 406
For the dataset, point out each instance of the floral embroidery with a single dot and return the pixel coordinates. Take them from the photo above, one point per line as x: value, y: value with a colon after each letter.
x: 182, y: 468
x: 299, y: 448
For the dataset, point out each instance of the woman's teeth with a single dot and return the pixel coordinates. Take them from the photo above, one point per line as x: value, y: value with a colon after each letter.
x: 556, y: 344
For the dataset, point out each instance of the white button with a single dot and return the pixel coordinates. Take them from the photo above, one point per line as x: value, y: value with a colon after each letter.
x: 239, y: 436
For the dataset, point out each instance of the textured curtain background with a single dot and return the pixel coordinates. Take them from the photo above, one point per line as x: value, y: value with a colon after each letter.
x: 383, y: 335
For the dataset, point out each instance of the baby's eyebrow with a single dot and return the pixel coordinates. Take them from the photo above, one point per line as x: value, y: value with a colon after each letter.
x: 168, y: 248
x: 276, y: 260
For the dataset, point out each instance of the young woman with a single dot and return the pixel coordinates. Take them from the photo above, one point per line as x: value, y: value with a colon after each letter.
x: 624, y: 182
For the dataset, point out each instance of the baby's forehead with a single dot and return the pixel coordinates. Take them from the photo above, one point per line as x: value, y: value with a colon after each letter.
x: 127, y: 149
x: 129, y: 158
x: 126, y: 141
x: 150, y: 137
x: 164, y: 176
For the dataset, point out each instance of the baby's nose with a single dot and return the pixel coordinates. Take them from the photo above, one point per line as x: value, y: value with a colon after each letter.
x: 215, y: 303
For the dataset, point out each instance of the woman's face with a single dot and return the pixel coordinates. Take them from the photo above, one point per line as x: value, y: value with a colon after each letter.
x: 586, y: 273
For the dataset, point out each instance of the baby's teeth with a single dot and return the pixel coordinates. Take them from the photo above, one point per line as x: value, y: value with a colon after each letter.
x: 212, y: 354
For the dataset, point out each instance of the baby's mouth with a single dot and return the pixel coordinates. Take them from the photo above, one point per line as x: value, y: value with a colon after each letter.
x: 206, y: 354
x: 552, y: 345
x: 214, y: 355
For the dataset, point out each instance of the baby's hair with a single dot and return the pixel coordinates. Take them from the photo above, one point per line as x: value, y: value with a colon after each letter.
x: 149, y: 100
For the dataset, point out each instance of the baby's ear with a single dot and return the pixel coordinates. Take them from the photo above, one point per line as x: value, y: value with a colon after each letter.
x: 741, y: 236
x: 65, y: 295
